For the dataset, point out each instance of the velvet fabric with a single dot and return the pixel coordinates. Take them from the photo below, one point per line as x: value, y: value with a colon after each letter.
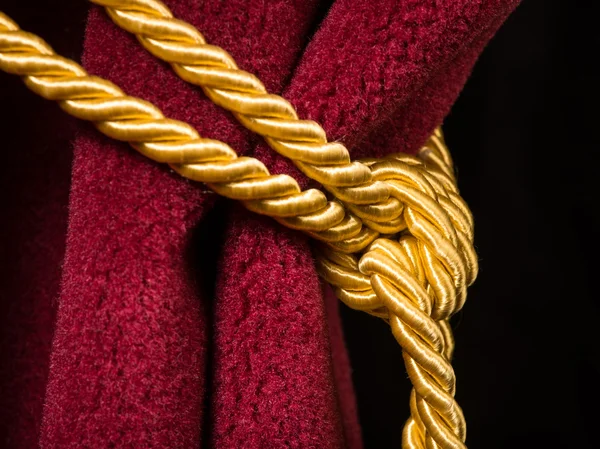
x: 172, y: 318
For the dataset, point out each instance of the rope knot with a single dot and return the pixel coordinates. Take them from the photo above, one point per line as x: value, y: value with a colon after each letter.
x: 416, y: 280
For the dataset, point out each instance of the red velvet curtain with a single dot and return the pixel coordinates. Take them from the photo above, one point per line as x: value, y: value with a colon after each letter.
x: 161, y: 315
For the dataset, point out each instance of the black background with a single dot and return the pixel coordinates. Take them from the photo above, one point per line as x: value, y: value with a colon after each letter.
x: 523, y: 135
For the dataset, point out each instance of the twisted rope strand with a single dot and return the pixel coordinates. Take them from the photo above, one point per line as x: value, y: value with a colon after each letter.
x: 164, y: 140
x: 214, y: 70
x: 414, y: 281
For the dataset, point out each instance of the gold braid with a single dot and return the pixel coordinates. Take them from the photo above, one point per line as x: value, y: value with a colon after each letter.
x: 273, y: 117
x: 414, y: 281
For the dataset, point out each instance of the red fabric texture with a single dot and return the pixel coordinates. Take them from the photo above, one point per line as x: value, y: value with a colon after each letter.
x: 144, y: 354
x: 129, y: 353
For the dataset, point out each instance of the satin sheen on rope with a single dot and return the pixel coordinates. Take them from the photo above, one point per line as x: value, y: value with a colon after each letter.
x: 273, y: 117
x: 414, y: 281
x: 170, y: 141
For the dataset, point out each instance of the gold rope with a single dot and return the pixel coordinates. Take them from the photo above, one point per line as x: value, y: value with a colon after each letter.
x: 414, y: 281
x: 273, y: 117
x: 170, y: 141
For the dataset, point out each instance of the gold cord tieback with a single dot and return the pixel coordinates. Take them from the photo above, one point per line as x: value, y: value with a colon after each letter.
x: 414, y: 278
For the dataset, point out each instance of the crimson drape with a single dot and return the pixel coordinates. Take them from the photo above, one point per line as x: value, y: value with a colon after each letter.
x: 139, y: 346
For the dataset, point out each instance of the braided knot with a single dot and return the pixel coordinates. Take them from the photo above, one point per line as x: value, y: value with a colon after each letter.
x: 415, y: 282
